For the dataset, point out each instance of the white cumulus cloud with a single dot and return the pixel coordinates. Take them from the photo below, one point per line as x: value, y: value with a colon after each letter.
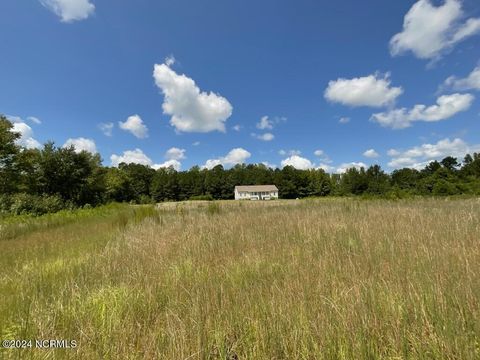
x: 373, y: 90
x: 81, y: 144
x: 26, y: 133
x: 131, y: 157
x: 345, y: 166
x: 419, y: 156
x: 326, y: 167
x: 134, y: 124
x: 265, y: 123
x: 371, y: 153
x: 297, y: 162
x: 177, y: 165
x: 70, y: 10
x: 446, y: 107
x: 175, y: 153
x: 191, y: 110
x: 137, y: 156
x: 471, y: 82
x: 235, y: 156
x: 429, y: 30
x: 344, y: 120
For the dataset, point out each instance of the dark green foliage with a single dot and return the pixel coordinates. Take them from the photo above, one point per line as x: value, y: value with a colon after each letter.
x: 46, y: 180
x: 37, y: 205
x: 8, y: 156
x: 75, y: 177
x: 207, y: 197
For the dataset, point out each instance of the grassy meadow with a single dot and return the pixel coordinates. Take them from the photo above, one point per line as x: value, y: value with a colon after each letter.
x: 308, y: 279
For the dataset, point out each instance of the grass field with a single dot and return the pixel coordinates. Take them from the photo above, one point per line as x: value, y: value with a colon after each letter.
x: 310, y: 279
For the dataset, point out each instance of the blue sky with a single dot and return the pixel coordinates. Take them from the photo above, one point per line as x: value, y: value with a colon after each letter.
x: 337, y: 84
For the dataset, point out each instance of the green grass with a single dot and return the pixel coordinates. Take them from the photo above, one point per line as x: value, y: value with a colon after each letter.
x: 316, y: 279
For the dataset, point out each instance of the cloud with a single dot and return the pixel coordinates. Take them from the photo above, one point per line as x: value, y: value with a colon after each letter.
x: 264, y: 137
x: 235, y: 156
x: 419, y: 156
x: 344, y: 120
x: 196, y: 143
x: 322, y: 156
x: 138, y: 157
x: 191, y: 110
x: 211, y: 163
x: 70, y: 10
x: 26, y: 133
x: 177, y: 165
x: 106, y: 128
x: 446, y: 107
x: 371, y: 153
x: 175, y: 154
x: 373, y: 90
x: 297, y: 162
x: 429, y: 31
x: 34, y: 120
x: 471, y: 82
x: 265, y: 123
x: 345, y: 166
x: 81, y: 144
x: 289, y: 152
x: 269, y: 165
x: 237, y: 127
x: 170, y: 60
x: 327, y: 168
x: 131, y: 157
x: 302, y: 163
x: 135, y: 125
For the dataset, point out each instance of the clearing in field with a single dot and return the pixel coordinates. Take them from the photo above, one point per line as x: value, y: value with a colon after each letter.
x: 313, y: 279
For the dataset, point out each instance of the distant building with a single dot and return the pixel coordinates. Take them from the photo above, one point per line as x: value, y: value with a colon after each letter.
x: 256, y: 192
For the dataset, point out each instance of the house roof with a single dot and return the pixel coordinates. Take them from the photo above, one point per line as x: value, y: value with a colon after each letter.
x: 249, y: 188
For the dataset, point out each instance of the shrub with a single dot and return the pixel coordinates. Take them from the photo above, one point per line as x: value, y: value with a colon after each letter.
x: 37, y: 205
x: 145, y: 199
x: 444, y: 188
x: 5, y: 203
x: 207, y: 197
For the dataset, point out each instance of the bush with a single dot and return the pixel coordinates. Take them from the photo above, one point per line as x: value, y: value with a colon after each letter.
x: 207, y: 197
x: 444, y: 188
x: 396, y: 194
x: 5, y: 203
x: 37, y: 205
x: 145, y: 200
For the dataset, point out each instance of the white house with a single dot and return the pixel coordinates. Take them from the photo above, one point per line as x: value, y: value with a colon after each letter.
x: 256, y: 192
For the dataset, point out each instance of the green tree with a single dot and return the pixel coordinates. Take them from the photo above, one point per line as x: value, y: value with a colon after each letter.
x: 9, y: 151
x: 76, y: 177
x: 378, y: 182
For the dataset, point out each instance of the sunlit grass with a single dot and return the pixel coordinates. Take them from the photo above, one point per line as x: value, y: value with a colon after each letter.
x: 317, y: 279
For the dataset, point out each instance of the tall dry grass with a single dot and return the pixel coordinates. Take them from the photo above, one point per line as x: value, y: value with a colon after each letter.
x: 318, y: 279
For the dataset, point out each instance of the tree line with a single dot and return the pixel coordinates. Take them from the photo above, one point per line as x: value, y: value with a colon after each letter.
x: 53, y: 178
